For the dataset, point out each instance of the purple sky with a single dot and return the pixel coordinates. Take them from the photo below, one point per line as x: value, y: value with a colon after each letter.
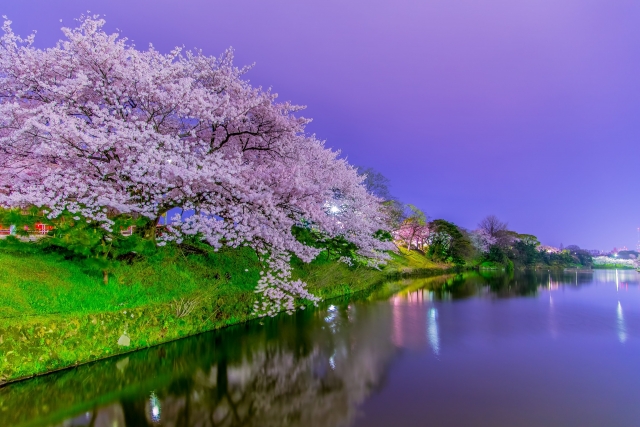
x: 526, y: 109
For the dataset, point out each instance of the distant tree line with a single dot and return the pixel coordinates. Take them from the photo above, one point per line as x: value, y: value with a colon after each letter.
x: 491, y: 245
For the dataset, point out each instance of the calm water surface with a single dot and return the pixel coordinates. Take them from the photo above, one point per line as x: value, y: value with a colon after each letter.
x: 538, y: 349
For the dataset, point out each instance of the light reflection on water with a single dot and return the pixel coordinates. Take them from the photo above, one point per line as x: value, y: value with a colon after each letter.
x: 541, y: 348
x: 622, y: 330
x: 432, y: 328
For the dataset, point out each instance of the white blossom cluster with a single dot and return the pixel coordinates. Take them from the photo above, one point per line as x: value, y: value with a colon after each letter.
x: 603, y: 260
x: 549, y: 249
x: 482, y: 240
x: 94, y: 126
x: 277, y: 290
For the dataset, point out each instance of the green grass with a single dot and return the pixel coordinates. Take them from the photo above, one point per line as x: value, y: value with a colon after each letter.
x: 37, y: 283
x: 490, y: 265
x: 34, y: 282
x: 56, y: 312
x: 405, y: 260
x: 613, y: 267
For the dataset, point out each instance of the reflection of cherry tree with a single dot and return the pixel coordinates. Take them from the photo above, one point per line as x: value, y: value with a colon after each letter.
x: 313, y: 369
x: 319, y: 383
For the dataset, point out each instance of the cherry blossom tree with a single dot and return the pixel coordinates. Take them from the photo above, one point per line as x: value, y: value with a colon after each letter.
x: 414, y: 230
x: 96, y: 128
x: 482, y: 240
x: 605, y: 260
x: 492, y: 226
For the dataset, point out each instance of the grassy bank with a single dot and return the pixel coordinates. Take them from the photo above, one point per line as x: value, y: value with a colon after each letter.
x: 497, y: 266
x: 55, y: 312
x: 52, y: 399
x: 612, y: 267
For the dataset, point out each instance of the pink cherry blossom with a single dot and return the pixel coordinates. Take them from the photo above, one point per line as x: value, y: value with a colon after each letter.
x: 94, y: 126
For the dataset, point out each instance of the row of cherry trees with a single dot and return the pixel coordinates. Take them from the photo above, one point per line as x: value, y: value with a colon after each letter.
x: 444, y: 241
x: 96, y: 130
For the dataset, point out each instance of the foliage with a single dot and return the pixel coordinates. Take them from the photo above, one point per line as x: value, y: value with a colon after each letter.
x: 490, y: 265
x: 496, y: 254
x: 580, y: 256
x: 378, y: 185
x: 524, y: 252
x: 75, y: 236
x: 394, y: 213
x: 497, y: 245
x: 529, y: 239
x: 375, y: 183
x: 335, y: 248
x: 447, y: 243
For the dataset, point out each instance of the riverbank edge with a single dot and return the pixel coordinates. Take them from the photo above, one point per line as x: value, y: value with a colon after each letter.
x: 50, y: 343
x: 613, y: 267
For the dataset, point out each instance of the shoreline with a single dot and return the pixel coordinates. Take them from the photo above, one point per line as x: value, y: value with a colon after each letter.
x: 33, y: 345
x: 41, y: 344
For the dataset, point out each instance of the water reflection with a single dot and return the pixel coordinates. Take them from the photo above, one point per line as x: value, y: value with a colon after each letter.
x: 622, y: 330
x: 321, y: 367
x: 432, y: 328
x: 502, y: 285
x: 553, y: 321
x: 154, y: 408
x: 620, y: 278
x: 311, y: 369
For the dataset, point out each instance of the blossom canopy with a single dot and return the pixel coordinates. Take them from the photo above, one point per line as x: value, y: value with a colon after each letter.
x: 96, y: 127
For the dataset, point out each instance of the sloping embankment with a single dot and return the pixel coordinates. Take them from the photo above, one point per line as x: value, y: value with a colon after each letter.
x: 55, y: 314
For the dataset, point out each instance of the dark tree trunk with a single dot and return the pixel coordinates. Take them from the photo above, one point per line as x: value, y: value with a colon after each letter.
x: 148, y: 230
x: 134, y: 413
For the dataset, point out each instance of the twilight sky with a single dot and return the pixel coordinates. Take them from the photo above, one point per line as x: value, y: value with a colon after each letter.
x: 526, y: 109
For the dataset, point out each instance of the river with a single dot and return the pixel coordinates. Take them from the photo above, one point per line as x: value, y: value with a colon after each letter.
x: 531, y: 349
